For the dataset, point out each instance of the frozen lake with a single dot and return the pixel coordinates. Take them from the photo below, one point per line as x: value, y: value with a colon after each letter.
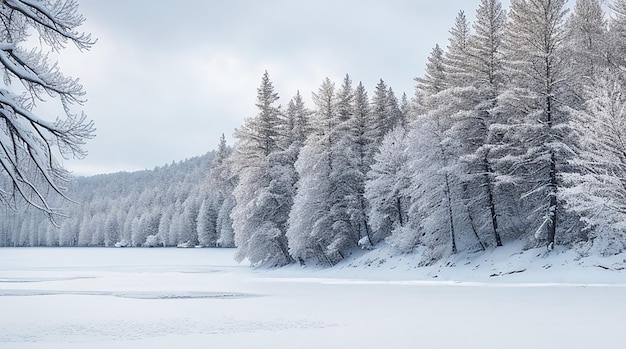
x: 201, y: 298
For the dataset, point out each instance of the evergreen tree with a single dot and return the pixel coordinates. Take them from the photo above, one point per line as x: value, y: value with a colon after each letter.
x: 207, y: 219
x: 223, y: 181
x: 345, y: 101
x: 297, y: 120
x: 394, y: 112
x: 262, y: 204
x: 406, y: 110
x: 322, y: 223
x: 360, y: 143
x: 596, y: 190
x: 433, y: 80
x: 617, y: 34
x: 456, y: 62
x: 434, y: 193
x: 348, y: 176
x: 586, y: 46
x: 188, y: 233
x: 477, y: 68
x: 380, y: 120
x: 387, y: 188
x: 310, y: 221
x: 534, y: 102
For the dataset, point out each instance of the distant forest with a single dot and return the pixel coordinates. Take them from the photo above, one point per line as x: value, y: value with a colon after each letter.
x: 515, y: 131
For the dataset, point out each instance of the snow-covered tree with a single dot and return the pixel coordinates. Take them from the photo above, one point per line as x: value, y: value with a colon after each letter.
x: 324, y: 221
x: 596, y: 190
x: 111, y: 229
x: 262, y: 205
x: 434, y: 159
x: 207, y: 218
x: 433, y: 80
x: 476, y: 69
x: 586, y: 44
x: 394, y: 112
x: 380, y: 119
x: 165, y: 224
x: 29, y: 143
x: 406, y: 110
x: 297, y: 116
x: 348, y: 175
x: 223, y: 181
x: 617, y: 34
x: 388, y: 185
x: 535, y: 106
x: 456, y: 62
x: 188, y: 222
x: 358, y: 127
x: 310, y: 221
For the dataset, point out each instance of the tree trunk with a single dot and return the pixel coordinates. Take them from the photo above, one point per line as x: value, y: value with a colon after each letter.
x: 471, y: 218
x: 552, y: 186
x: 450, y: 216
x: 366, y: 225
x: 490, y: 201
x: 399, y: 208
x: 282, y: 245
x: 553, y: 208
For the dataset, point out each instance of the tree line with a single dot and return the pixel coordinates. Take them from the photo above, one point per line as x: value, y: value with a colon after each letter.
x: 516, y: 131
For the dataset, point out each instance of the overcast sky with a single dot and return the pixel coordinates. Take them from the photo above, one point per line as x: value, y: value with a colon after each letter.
x: 167, y: 78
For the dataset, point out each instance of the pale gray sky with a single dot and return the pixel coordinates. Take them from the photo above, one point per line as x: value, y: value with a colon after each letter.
x: 167, y: 78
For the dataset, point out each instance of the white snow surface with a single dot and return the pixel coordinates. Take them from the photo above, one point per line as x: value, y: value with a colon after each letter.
x: 201, y: 298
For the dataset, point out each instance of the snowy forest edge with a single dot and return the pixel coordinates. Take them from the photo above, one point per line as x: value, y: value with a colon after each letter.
x: 514, y: 134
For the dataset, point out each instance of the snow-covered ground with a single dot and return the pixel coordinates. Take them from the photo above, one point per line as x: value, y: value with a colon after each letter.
x: 201, y: 298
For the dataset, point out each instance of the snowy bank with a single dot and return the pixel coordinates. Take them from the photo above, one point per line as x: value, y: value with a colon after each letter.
x: 503, y: 265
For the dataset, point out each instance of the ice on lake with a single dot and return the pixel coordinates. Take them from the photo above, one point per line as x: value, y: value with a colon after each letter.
x: 201, y: 298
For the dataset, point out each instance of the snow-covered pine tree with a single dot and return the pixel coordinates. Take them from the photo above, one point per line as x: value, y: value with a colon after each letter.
x: 433, y: 81
x: 380, y: 120
x: 596, y: 190
x: 323, y: 224
x: 477, y: 65
x: 111, y: 229
x: 187, y: 233
x: 534, y: 105
x: 394, y: 112
x: 309, y: 220
x: 586, y: 45
x: 262, y: 193
x: 348, y: 177
x: 223, y: 181
x: 407, y: 112
x: 207, y: 218
x: 165, y: 224
x: 297, y: 120
x: 460, y: 100
x: 456, y: 60
x: 617, y: 34
x: 386, y: 191
x: 434, y: 188
x: 358, y: 128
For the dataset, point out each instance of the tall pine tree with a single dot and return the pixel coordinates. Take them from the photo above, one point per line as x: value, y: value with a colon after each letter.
x: 262, y: 200
x: 536, y: 110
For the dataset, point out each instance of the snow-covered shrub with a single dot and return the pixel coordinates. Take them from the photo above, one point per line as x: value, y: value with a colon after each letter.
x: 403, y: 239
x: 152, y: 241
x: 122, y: 243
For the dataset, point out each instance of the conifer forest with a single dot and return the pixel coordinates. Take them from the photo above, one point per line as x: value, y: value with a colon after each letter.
x: 516, y: 131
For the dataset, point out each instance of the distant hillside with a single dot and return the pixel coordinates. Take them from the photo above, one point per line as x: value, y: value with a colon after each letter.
x: 151, y: 207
